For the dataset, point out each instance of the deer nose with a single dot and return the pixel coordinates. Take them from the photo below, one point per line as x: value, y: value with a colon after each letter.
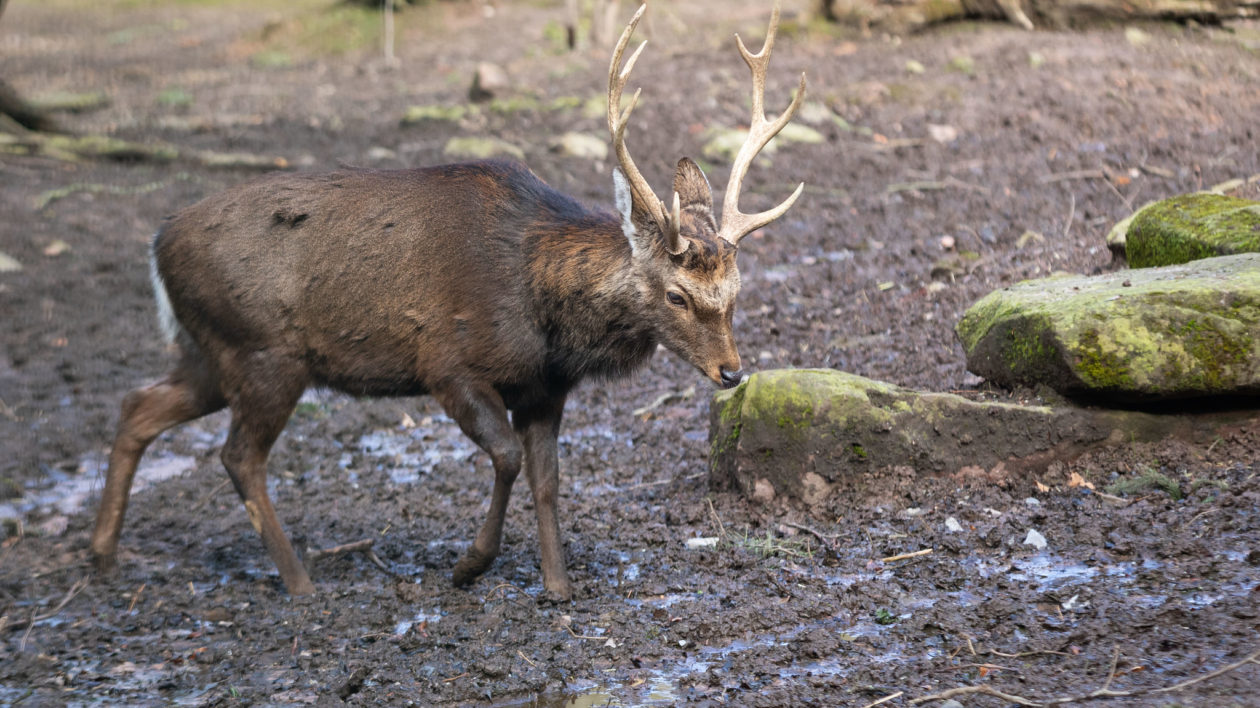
x: 731, y: 379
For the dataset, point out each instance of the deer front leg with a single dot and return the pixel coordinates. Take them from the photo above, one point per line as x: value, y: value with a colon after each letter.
x: 480, y: 413
x: 540, y: 428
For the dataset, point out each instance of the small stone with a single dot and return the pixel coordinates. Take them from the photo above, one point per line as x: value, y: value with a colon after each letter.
x: 581, y: 145
x: 952, y: 525
x: 1035, y: 539
x: 815, y: 113
x: 702, y: 542
x: 1032, y: 501
x: 914, y: 67
x: 488, y: 80
x: 947, y: 242
x: 763, y: 491
x: 942, y: 133
x: 1136, y: 37
x: 9, y: 264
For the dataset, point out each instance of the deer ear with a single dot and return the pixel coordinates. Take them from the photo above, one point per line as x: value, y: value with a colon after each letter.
x: 636, y: 223
x: 692, y: 186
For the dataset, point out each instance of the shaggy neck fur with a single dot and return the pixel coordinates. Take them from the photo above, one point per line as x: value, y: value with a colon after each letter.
x: 592, y: 298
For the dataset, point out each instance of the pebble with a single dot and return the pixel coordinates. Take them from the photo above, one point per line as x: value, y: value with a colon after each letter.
x: 1035, y: 539
x: 952, y: 525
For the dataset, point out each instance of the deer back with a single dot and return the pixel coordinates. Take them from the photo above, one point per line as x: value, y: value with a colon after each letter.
x: 383, y: 280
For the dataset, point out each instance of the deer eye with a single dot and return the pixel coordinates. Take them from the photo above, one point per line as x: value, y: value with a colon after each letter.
x: 675, y: 299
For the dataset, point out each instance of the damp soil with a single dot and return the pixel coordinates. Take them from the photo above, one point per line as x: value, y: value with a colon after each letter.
x: 1149, y: 575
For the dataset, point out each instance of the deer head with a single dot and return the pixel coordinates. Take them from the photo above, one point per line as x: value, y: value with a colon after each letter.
x: 683, y: 259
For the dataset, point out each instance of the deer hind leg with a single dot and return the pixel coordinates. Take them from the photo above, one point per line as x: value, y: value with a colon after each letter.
x: 269, y: 389
x: 480, y: 413
x: 190, y: 391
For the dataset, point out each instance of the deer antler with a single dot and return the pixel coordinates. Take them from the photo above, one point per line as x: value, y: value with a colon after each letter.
x: 641, y: 192
x: 736, y: 225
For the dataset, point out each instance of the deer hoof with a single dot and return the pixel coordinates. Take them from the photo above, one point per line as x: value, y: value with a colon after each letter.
x: 470, y: 567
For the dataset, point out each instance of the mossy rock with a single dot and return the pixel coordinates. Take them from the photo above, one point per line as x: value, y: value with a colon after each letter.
x: 1190, y: 227
x: 1137, y: 335
x: 479, y: 148
x: 799, y: 433
x: 447, y: 112
x: 806, y: 434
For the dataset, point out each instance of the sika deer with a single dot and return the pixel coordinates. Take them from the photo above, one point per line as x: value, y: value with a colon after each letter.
x: 475, y: 283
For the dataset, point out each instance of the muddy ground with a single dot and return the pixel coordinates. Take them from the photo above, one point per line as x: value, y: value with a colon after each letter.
x: 1155, y: 581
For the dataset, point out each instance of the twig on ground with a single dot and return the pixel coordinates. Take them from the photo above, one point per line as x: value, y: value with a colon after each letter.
x: 713, y: 512
x: 313, y: 554
x: 1067, y: 226
x: 526, y: 658
x: 972, y: 665
x: 35, y: 619
x: 1022, y: 654
x: 906, y: 556
x: 967, y: 690
x: 658, y: 482
x: 207, y: 498
x: 1104, y: 692
x: 136, y: 598
x: 933, y: 186
x: 509, y: 598
x: 829, y: 541
x: 1114, y: 499
x: 581, y: 636
x: 885, y: 699
x: 1074, y: 174
x: 376, y: 561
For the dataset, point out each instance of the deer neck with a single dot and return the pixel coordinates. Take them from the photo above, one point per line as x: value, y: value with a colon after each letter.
x: 590, y: 299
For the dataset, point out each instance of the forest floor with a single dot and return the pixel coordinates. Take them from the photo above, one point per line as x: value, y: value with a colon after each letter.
x: 1020, y: 148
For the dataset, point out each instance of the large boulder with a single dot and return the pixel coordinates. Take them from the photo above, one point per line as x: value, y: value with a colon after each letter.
x: 1173, y: 332
x: 803, y: 433
x: 1190, y: 227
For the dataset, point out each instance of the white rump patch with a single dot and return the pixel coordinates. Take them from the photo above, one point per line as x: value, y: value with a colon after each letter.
x: 166, y: 315
x: 625, y: 204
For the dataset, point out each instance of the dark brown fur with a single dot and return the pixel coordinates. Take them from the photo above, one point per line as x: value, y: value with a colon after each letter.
x: 476, y: 283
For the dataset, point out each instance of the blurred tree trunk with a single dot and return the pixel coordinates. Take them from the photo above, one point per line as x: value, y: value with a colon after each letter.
x: 911, y: 15
x: 15, y: 108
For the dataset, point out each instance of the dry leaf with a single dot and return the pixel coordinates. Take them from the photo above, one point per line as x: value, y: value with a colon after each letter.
x: 1076, y: 480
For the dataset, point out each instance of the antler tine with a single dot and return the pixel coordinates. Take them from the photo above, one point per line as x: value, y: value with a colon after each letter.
x: 618, y: 120
x: 736, y: 225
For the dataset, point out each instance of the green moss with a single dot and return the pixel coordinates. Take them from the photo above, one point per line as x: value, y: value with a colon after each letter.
x: 1148, y: 480
x: 858, y: 451
x: 1214, y: 351
x: 1190, y: 227
x: 1101, y: 367
x: 729, y: 404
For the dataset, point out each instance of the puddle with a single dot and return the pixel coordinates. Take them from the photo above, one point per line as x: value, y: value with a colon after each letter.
x: 70, y: 494
x: 409, y: 454
x: 1050, y: 573
x: 420, y: 618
